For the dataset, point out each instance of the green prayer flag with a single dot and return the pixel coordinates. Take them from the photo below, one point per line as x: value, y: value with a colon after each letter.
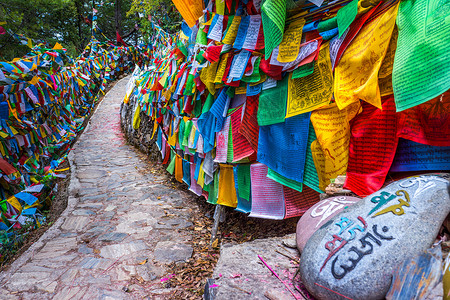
x: 304, y: 70
x: 295, y: 185
x: 230, y: 145
x: 256, y: 75
x: 346, y: 15
x: 214, y: 189
x: 244, y: 181
x: 310, y: 177
x: 171, y: 167
x: 273, y: 13
x: 422, y: 60
x: 326, y: 25
x: 273, y: 103
x: 208, y: 103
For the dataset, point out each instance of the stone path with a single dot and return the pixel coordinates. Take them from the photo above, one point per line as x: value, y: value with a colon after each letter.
x: 121, y: 226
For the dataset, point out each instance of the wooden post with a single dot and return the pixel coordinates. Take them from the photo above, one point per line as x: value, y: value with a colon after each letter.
x: 217, y: 219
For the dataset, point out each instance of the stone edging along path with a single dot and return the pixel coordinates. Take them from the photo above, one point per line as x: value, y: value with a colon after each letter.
x: 122, y: 225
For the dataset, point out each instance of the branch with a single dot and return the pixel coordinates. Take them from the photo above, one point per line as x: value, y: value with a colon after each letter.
x: 130, y: 33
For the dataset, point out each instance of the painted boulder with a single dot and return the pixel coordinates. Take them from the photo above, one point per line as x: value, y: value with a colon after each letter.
x: 319, y: 214
x: 355, y: 253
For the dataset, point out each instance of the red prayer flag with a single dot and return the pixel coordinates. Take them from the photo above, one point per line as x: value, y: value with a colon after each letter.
x: 249, y: 126
x: 428, y: 123
x: 6, y: 168
x: 241, y: 147
x: 119, y: 39
x: 373, y: 142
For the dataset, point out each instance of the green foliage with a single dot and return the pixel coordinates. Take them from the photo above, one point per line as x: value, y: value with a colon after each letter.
x: 162, y: 12
x: 67, y: 22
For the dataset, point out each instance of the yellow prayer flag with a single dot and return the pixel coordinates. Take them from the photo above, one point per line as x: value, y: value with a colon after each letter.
x: 137, y: 117
x: 308, y: 93
x: 330, y: 150
x: 220, y: 7
x: 167, y: 94
x: 222, y: 67
x: 172, y: 140
x: 388, y: 61
x: 201, y: 176
x: 2, y: 150
x: 207, y: 76
x: 227, y: 190
x: 241, y: 90
x: 58, y: 46
x: 183, y: 36
x: 80, y: 82
x: 386, y: 86
x: 30, y: 43
x: 14, y: 203
x: 155, y: 127
x: 232, y: 31
x: 356, y: 75
x: 178, y: 168
x: 34, y: 80
x: 209, y: 21
x: 290, y: 45
x: 163, y: 79
x: 190, y: 10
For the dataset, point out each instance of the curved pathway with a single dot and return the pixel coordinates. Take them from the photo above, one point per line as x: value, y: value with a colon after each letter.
x: 120, y: 229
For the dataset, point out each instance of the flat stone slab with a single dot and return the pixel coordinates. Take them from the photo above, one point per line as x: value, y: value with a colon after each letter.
x: 355, y: 253
x: 168, y: 252
x: 120, y: 250
x: 91, y: 174
x: 240, y: 274
x: 83, y: 212
x: 112, y: 237
x: 175, y: 223
x: 75, y: 223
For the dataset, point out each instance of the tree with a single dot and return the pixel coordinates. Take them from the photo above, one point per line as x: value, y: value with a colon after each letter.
x: 67, y: 22
x: 161, y: 12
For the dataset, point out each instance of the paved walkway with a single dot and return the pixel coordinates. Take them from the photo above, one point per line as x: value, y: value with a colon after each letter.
x: 118, y: 231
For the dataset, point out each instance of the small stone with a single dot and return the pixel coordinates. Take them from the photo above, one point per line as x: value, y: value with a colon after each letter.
x: 112, y: 237
x: 318, y: 214
x: 94, y: 263
x: 110, y: 207
x: 168, y: 252
x: 178, y: 223
x: 100, y: 280
x: 83, y: 212
x: 119, y: 250
x: 356, y: 252
x: 75, y: 223
x: 91, y: 174
x: 85, y: 249
x: 48, y: 287
x: 91, y: 205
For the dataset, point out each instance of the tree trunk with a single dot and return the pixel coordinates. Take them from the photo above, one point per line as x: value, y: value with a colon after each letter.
x: 118, y: 16
x: 80, y: 45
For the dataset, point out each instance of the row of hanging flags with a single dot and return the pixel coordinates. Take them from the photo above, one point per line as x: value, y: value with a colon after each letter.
x: 259, y: 105
x: 44, y: 98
